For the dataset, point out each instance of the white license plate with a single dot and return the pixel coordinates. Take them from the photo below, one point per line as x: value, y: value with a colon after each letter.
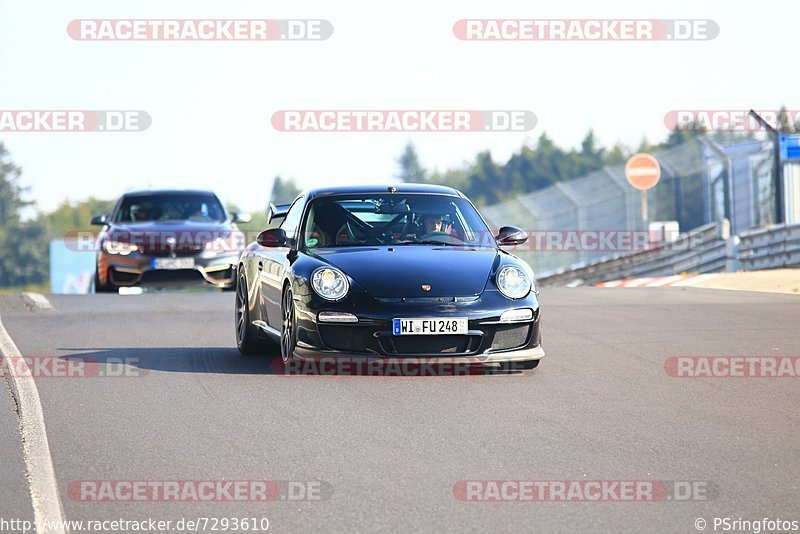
x: 421, y: 327
x: 173, y: 263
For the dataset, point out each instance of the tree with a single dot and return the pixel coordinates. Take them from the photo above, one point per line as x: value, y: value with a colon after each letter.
x: 410, y: 168
x: 486, y: 179
x: 24, y: 255
x: 11, y: 201
x: 618, y: 155
x: 70, y: 217
x: 592, y: 156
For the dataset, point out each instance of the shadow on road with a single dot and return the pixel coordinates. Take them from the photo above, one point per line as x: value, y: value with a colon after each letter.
x: 227, y: 360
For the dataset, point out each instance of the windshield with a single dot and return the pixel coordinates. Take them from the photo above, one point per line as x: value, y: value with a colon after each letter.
x: 394, y: 219
x: 144, y: 208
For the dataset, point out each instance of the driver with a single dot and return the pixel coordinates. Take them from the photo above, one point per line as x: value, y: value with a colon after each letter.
x: 431, y: 223
x: 141, y: 212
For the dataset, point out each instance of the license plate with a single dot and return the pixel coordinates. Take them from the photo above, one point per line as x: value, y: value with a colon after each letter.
x: 173, y: 263
x: 421, y: 327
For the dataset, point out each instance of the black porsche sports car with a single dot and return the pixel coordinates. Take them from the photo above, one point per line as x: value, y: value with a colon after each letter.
x: 401, y: 271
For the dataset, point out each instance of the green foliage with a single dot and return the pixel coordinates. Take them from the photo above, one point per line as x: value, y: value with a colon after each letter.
x: 25, y: 254
x: 70, y: 217
x: 531, y: 168
x: 410, y: 168
x: 23, y: 244
x: 11, y: 193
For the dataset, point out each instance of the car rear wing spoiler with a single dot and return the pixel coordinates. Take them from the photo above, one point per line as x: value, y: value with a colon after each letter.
x: 277, y: 212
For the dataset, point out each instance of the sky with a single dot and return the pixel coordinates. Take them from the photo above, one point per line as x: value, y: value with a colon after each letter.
x: 211, y: 102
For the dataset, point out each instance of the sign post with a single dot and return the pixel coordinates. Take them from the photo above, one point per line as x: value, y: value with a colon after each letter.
x: 643, y: 173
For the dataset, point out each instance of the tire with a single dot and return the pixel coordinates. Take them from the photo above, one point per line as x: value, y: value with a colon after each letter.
x: 524, y: 365
x: 247, y: 339
x: 289, y: 326
x: 103, y: 288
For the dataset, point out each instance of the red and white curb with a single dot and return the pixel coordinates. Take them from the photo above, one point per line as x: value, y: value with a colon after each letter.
x: 660, y: 281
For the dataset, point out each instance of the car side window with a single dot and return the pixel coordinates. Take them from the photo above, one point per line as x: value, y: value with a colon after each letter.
x: 291, y: 222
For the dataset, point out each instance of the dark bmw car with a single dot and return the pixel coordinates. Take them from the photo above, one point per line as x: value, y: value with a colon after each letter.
x: 406, y: 271
x: 167, y: 238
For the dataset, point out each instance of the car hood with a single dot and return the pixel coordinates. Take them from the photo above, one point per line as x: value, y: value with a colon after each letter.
x: 171, y: 226
x: 401, y: 271
x: 181, y: 236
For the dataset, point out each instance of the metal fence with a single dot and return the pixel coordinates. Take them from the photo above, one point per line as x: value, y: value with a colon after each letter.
x: 604, y: 201
x: 707, y: 249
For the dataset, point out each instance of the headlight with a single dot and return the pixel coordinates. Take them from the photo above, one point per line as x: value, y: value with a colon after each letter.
x: 118, y: 247
x: 513, y: 282
x: 329, y: 283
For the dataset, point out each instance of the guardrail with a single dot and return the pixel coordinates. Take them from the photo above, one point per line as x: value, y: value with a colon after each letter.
x: 707, y: 249
x: 768, y: 248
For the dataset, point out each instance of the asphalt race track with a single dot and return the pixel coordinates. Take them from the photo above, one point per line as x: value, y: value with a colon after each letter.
x: 388, y: 451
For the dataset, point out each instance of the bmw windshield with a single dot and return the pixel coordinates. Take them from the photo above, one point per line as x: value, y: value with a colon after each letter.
x: 394, y: 219
x: 161, y: 207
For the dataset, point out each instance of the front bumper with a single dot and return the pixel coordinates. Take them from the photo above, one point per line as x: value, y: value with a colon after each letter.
x: 137, y: 269
x: 486, y: 341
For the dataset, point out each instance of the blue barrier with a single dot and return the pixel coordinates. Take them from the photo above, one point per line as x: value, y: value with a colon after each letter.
x: 71, y: 270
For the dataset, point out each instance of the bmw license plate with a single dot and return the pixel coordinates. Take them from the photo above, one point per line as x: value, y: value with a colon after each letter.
x: 417, y: 327
x: 173, y: 263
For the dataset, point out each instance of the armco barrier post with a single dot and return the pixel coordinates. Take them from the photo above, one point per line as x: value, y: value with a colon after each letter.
x: 732, y: 254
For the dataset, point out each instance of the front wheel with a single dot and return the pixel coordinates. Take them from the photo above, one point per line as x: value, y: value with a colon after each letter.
x: 103, y: 288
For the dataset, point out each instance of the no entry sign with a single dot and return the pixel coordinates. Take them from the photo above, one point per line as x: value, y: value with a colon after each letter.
x: 642, y: 171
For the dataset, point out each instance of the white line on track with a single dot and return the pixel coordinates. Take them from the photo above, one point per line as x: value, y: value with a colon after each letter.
x: 665, y: 281
x: 695, y: 280
x: 46, y: 502
x: 38, y: 301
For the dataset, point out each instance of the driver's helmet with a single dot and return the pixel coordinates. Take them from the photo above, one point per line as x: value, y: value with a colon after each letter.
x: 432, y: 215
x: 142, y: 212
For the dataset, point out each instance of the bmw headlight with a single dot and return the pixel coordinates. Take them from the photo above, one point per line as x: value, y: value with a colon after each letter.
x: 118, y: 247
x: 513, y: 282
x: 329, y: 283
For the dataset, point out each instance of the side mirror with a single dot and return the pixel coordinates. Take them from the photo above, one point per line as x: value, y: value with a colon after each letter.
x: 273, y: 237
x: 99, y: 220
x: 511, y: 235
x: 241, y: 217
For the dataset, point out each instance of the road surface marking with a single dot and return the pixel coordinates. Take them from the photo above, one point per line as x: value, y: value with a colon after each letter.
x: 695, y: 280
x: 35, y: 448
